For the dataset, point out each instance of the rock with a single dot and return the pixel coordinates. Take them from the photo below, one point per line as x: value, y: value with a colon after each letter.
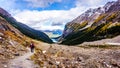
x: 17, y: 54
x: 79, y: 59
x: 12, y: 57
x: 1, y: 34
x: 5, y: 66
x: 28, y: 59
x: 43, y: 52
x: 50, y: 62
x: 57, y: 62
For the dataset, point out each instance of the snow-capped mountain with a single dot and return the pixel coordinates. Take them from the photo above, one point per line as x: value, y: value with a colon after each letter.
x: 109, y: 13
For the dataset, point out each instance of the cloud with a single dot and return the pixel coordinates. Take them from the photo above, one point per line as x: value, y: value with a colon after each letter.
x: 41, y: 3
x: 44, y: 20
x: 91, y: 3
x: 7, y: 4
x: 57, y: 24
x: 38, y: 19
x: 51, y: 28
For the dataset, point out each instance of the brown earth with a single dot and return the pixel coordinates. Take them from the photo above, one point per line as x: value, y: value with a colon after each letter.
x: 90, y: 56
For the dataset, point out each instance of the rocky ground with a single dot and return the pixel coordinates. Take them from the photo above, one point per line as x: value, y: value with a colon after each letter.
x: 59, y: 56
x: 8, y: 52
x: 22, y: 62
x: 90, y: 56
x: 11, y: 47
x: 104, y: 41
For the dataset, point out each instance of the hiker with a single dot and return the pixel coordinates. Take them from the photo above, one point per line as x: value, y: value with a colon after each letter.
x: 32, y: 47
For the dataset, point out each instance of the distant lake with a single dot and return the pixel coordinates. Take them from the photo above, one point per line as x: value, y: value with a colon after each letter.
x: 54, y: 40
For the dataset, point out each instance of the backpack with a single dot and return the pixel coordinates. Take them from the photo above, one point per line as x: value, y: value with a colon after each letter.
x: 31, y: 45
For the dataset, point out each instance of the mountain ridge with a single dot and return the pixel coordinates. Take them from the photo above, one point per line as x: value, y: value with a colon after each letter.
x: 96, y: 21
x: 35, y: 34
x: 12, y: 42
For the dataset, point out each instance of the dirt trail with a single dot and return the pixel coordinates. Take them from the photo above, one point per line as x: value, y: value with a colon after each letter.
x: 22, y: 62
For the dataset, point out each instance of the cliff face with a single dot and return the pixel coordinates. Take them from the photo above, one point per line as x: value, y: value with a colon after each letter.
x: 93, y: 19
x: 35, y: 34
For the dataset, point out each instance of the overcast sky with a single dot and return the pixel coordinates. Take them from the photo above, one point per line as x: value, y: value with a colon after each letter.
x: 48, y: 14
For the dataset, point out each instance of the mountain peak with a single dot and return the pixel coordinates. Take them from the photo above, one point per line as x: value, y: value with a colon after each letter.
x: 115, y: 6
x: 101, y: 17
x: 4, y: 12
x: 108, y: 5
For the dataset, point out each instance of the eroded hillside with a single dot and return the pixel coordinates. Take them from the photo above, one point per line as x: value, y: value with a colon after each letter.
x: 12, y: 42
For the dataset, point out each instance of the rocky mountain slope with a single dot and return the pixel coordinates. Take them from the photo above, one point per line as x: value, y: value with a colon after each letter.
x: 14, y: 38
x: 12, y: 42
x: 94, y: 24
x: 35, y: 34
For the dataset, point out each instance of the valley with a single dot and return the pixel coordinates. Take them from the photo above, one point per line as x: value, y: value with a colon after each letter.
x: 92, y: 40
x: 87, y: 56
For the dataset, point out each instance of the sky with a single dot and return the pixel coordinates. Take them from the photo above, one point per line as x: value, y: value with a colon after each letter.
x: 48, y: 14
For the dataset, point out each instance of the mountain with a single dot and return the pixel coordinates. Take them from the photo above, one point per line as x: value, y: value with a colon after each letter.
x: 15, y: 37
x: 12, y: 42
x: 56, y: 31
x: 53, y: 34
x: 35, y: 34
x: 94, y: 24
